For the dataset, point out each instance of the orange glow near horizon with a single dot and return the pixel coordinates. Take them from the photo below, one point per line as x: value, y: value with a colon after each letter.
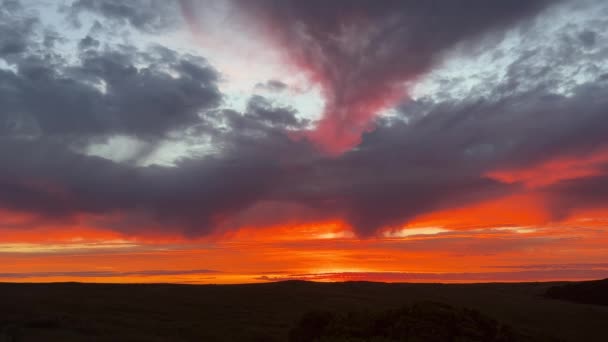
x: 227, y: 141
x: 479, y: 243
x: 513, y: 238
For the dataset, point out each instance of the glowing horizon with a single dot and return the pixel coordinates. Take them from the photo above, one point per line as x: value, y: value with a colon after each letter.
x: 228, y: 141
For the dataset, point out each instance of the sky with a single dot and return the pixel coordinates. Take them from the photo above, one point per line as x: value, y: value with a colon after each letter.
x: 250, y: 141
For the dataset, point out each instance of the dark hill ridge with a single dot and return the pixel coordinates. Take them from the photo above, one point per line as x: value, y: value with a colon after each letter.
x: 268, y: 312
x: 588, y: 292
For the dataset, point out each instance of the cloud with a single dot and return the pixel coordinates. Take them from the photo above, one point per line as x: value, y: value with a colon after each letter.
x: 391, y: 277
x: 17, y: 28
x: 150, y: 16
x: 434, y: 153
x: 105, y: 274
x: 569, y: 195
x: 262, y: 110
x: 107, y: 92
x: 363, y: 52
x: 272, y: 86
x: 556, y: 266
x: 466, y: 244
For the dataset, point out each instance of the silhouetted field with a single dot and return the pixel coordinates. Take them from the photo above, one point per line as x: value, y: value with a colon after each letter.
x: 588, y: 292
x: 357, y: 311
x: 424, y: 321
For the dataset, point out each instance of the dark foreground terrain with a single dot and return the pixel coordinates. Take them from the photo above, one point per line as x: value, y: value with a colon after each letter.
x: 299, y: 311
x: 587, y: 292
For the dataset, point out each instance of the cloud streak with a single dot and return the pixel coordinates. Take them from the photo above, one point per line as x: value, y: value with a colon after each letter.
x: 105, y: 274
x: 393, y: 277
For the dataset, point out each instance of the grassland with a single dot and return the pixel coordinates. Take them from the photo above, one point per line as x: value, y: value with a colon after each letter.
x: 266, y: 312
x: 587, y: 292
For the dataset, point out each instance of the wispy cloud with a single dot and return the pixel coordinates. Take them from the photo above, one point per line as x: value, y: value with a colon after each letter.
x: 596, y: 266
x: 41, y: 248
x: 515, y: 276
x: 105, y: 274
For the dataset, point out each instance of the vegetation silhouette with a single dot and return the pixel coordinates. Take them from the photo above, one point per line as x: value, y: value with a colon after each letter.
x: 423, y: 321
x: 269, y: 312
x: 587, y: 292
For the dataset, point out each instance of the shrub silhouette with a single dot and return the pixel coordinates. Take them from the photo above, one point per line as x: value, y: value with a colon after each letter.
x: 426, y: 321
x: 10, y: 333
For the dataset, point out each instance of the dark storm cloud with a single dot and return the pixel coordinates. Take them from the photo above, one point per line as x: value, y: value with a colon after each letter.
x: 434, y: 155
x: 149, y: 16
x: 401, y: 170
x: 440, y: 160
x: 506, y: 132
x: 105, y: 94
x: 194, y: 197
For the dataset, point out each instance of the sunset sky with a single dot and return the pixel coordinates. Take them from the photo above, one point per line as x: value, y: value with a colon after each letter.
x: 239, y: 141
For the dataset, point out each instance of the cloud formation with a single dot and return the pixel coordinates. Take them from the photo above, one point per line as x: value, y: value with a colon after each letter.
x: 362, y: 53
x: 243, y: 167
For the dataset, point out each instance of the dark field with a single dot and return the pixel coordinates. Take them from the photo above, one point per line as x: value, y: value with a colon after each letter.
x: 267, y: 312
x: 587, y: 292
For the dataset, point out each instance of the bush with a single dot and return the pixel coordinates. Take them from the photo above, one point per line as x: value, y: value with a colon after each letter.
x: 421, y: 322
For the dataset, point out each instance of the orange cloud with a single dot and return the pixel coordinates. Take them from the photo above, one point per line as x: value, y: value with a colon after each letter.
x: 465, y: 244
x: 526, y: 209
x: 555, y: 170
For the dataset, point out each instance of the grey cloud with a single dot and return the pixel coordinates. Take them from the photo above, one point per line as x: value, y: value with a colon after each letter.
x: 401, y: 170
x: 88, y: 42
x: 195, y: 197
x: 434, y: 155
x: 151, y: 16
x: 272, y: 86
x: 105, y: 94
x: 588, y: 38
x: 17, y: 28
x: 261, y: 109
